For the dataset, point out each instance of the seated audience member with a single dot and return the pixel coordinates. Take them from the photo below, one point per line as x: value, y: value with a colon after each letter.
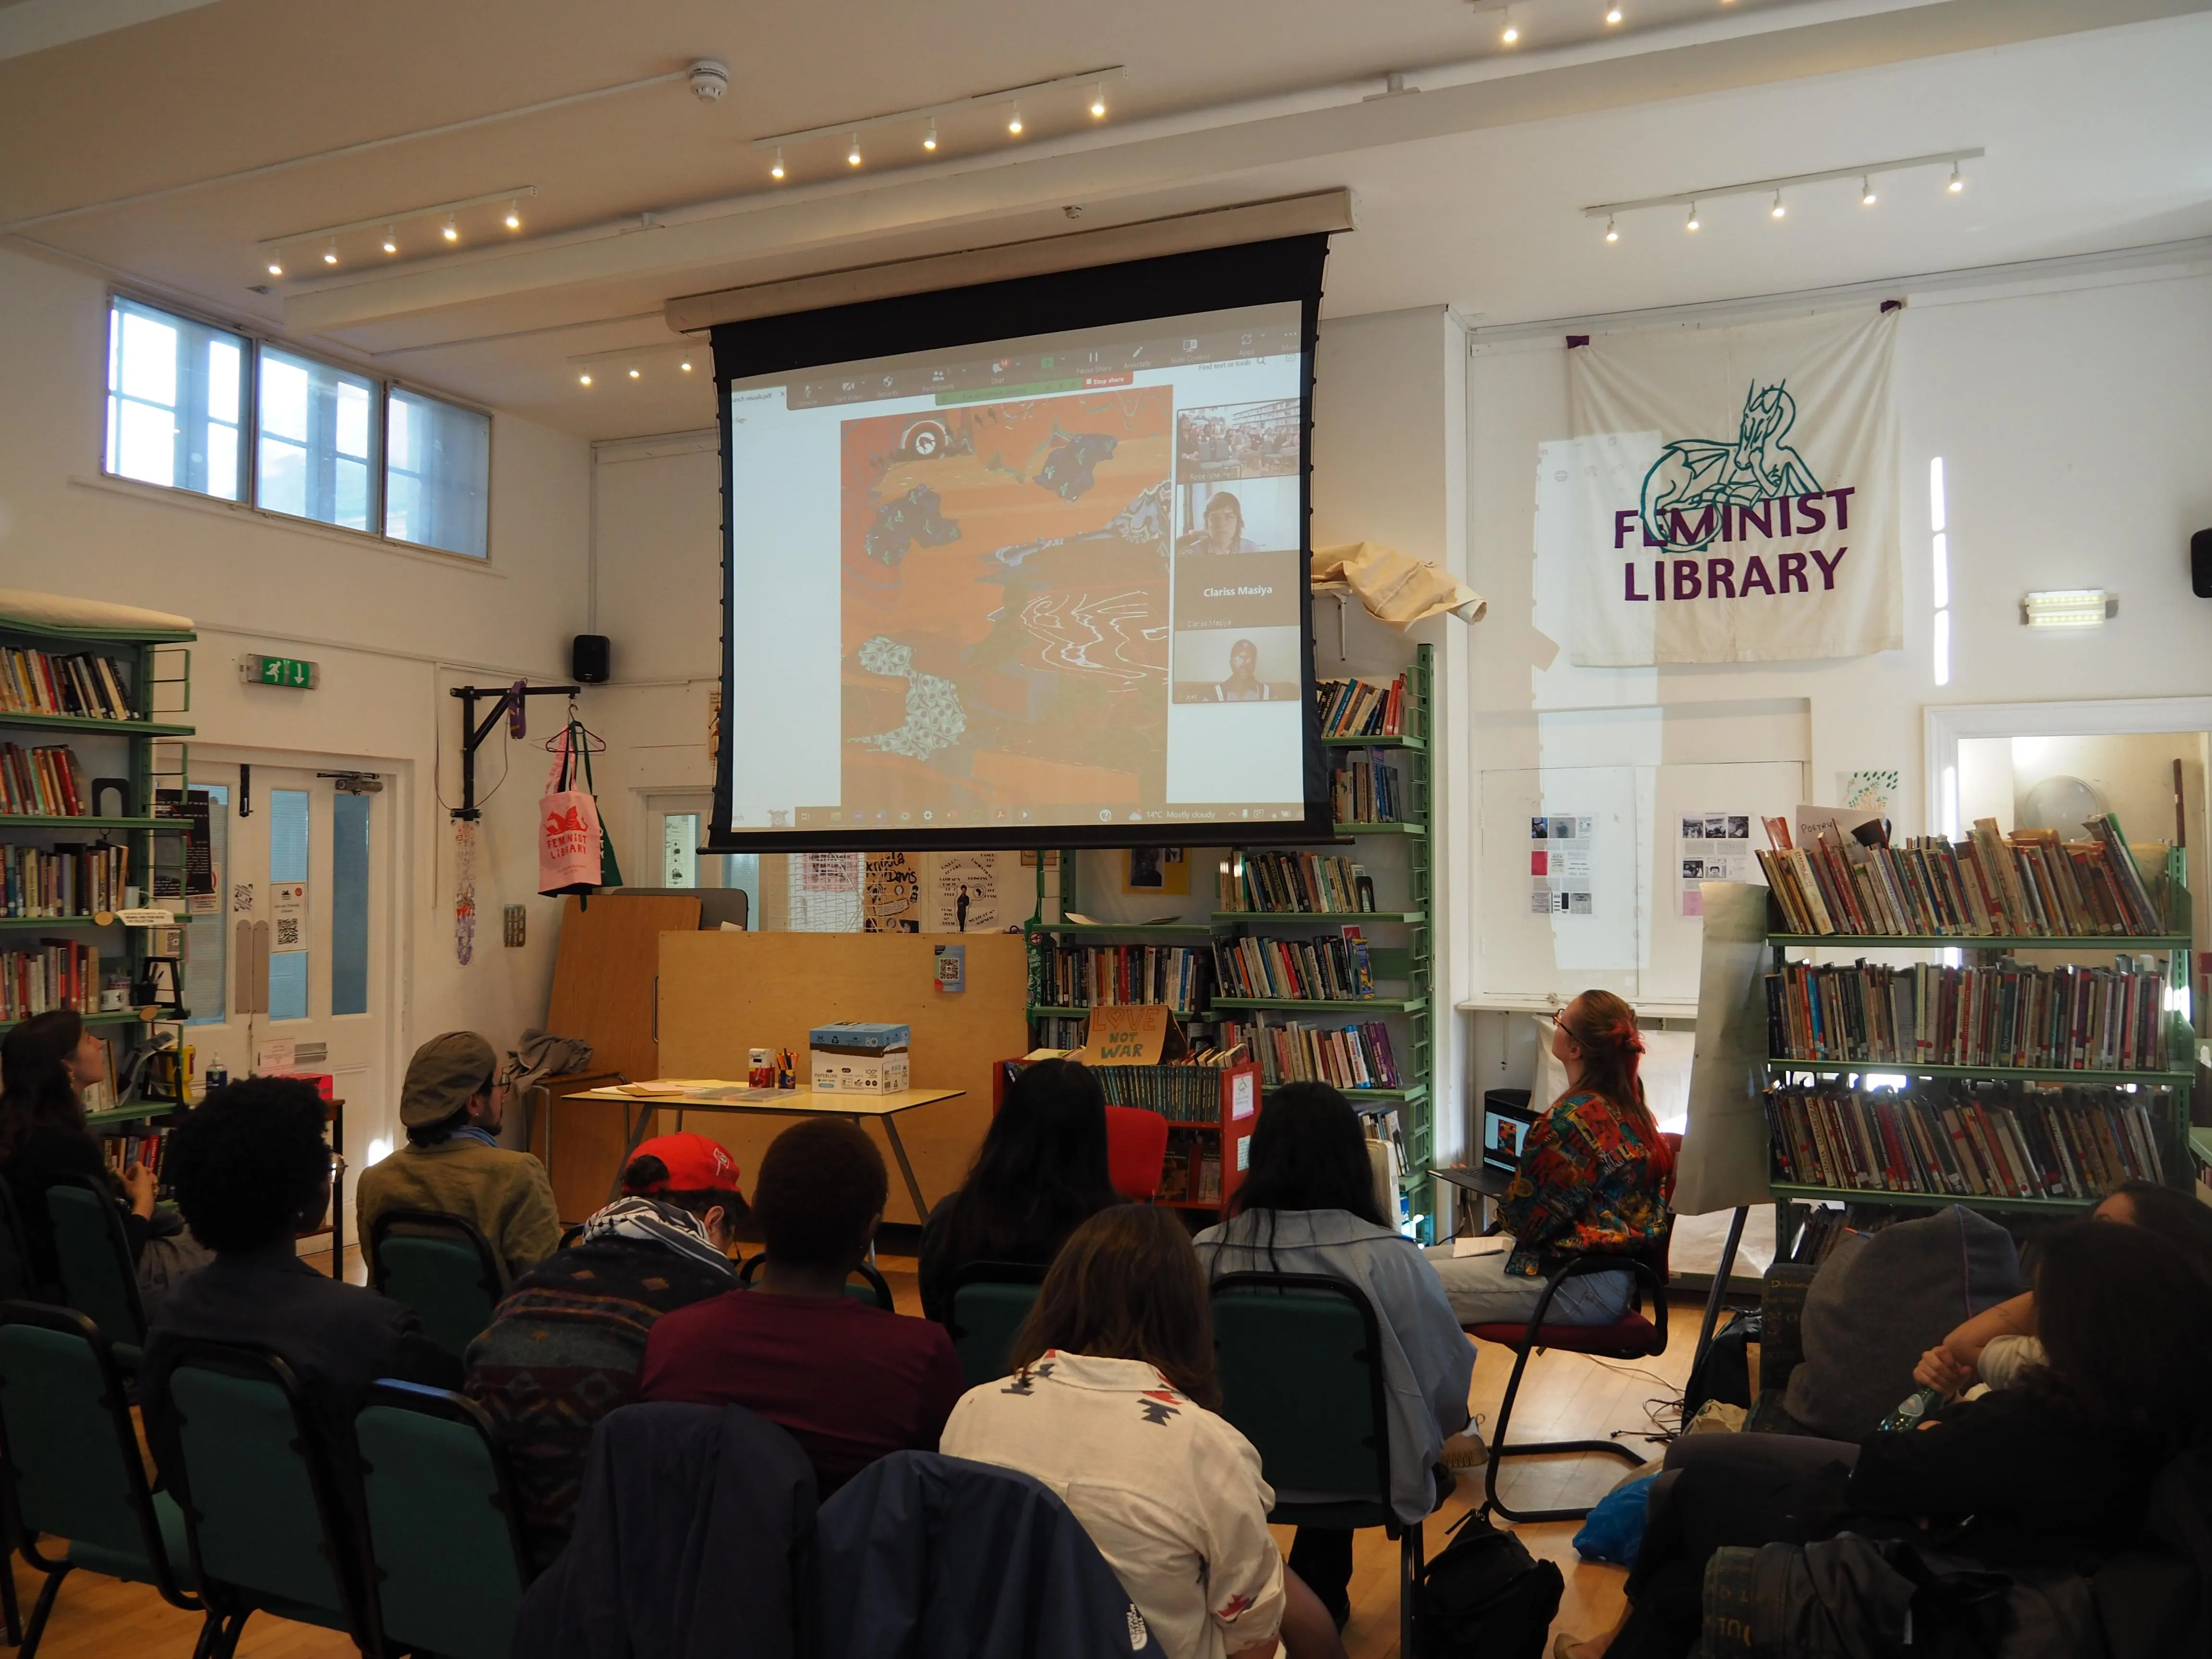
x: 1042, y: 1172
x: 850, y: 1381
x: 251, y: 1170
x: 1111, y: 1405
x: 2056, y: 1473
x: 1308, y: 1205
x: 452, y: 1106
x: 1593, y: 1178
x: 47, y: 1063
x: 568, y: 1341
x: 1998, y: 1345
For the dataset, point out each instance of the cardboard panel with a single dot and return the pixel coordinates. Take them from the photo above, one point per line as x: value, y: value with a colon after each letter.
x: 722, y: 994
x: 603, y: 976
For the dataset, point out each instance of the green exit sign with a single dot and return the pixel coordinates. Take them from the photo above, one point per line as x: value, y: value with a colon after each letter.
x: 293, y: 671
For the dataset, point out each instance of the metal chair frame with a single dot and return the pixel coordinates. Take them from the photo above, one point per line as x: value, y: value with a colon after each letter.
x: 875, y: 1282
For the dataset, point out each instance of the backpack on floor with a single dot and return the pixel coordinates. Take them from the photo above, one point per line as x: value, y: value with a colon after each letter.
x: 1485, y: 1594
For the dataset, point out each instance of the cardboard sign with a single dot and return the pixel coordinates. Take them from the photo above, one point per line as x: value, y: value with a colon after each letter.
x: 1129, y: 1034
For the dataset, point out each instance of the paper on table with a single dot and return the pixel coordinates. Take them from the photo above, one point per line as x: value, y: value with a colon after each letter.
x: 671, y: 1085
x: 1481, y: 1244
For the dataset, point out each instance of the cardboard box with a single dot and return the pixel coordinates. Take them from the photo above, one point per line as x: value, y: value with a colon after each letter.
x: 854, y: 1057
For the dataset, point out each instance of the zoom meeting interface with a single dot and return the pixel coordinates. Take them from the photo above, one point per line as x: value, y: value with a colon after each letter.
x: 1055, y: 581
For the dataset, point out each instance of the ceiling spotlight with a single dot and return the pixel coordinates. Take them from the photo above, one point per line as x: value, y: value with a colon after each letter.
x: 1866, y: 193
x: 633, y: 375
x: 1693, y: 216
x: 1098, y: 101
x: 584, y: 379
x: 331, y: 253
x: 514, y: 215
x: 1957, y: 183
x: 1611, y: 234
x: 853, y: 155
x: 1511, y: 31
x: 776, y: 168
x: 929, y: 138
x: 390, y: 239
x: 1613, y: 16
x: 685, y: 366
x: 1778, y: 210
x: 276, y: 270
x: 453, y: 232
x: 1014, y: 121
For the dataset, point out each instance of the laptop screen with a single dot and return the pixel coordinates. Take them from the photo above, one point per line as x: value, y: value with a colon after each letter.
x: 1503, y: 1130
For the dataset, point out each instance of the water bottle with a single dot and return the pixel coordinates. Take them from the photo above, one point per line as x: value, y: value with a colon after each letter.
x: 1911, y: 1410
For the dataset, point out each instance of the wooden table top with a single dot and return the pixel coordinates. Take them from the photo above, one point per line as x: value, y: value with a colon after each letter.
x: 696, y: 1094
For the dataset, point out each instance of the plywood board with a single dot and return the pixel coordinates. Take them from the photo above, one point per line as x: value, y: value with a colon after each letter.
x: 603, y: 976
x: 723, y: 995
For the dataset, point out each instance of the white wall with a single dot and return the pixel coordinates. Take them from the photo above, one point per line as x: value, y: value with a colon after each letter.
x: 2075, y: 425
x: 392, y: 628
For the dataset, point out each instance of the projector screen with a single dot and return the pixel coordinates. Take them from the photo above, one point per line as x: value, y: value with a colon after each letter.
x: 1029, y: 586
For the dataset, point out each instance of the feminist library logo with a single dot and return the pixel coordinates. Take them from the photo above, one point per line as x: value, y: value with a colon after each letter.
x: 1705, y: 493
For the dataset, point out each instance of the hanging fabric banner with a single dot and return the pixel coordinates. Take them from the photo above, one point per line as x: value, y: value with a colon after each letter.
x: 1730, y: 493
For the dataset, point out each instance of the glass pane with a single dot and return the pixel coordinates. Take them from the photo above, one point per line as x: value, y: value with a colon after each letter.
x: 437, y: 474
x: 679, y: 849
x: 173, y: 400
x: 288, y: 985
x: 349, y: 904
x: 743, y: 870
x: 207, y: 940
x: 288, y: 834
x: 318, y: 440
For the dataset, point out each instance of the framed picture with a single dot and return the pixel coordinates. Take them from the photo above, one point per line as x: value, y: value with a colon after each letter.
x: 1159, y: 870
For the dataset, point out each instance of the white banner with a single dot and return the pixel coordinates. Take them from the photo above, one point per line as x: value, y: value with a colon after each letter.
x: 1731, y: 494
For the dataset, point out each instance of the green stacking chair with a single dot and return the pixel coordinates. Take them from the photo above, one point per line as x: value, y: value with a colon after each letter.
x: 19, y: 1280
x: 70, y: 1457
x: 98, y: 1276
x: 990, y: 1300
x: 863, y: 1284
x: 454, y: 1589
x: 1300, y: 1361
x: 241, y: 1446
x: 439, y: 1266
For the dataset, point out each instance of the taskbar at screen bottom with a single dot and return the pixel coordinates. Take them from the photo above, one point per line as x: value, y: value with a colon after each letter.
x: 1003, y: 818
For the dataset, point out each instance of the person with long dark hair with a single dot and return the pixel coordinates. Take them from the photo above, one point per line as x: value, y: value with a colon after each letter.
x: 1309, y: 1205
x: 46, y: 1063
x: 1040, y: 1174
x: 2056, y: 1473
x: 1593, y: 1178
x: 1111, y: 1404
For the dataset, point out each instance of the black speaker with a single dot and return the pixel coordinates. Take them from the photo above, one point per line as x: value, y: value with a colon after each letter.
x: 2200, y: 564
x: 588, y: 655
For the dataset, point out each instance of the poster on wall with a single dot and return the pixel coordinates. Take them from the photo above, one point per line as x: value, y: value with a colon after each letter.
x: 1729, y: 494
x: 964, y: 893
x: 1710, y: 846
x: 1560, y: 867
x: 890, y: 894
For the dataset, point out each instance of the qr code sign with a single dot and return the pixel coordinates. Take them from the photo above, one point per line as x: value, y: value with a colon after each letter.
x: 287, y: 934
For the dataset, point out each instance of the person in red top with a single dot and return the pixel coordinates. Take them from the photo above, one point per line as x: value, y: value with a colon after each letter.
x: 849, y: 1382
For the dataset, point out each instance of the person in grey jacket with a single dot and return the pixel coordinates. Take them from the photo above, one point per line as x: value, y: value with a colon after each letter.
x: 1308, y: 1205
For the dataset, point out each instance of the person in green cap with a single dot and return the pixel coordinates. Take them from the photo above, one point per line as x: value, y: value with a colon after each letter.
x: 451, y: 1106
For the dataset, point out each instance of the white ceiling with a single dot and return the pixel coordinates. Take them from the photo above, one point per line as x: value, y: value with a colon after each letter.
x: 1469, y: 191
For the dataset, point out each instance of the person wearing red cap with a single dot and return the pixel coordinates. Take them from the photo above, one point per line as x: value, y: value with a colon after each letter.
x: 569, y: 1341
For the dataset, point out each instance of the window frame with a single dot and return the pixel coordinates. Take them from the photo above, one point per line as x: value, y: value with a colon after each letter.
x: 253, y: 339
x: 248, y: 411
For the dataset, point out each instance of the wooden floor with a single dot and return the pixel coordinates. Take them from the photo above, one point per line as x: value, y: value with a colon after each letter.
x: 1564, y: 1396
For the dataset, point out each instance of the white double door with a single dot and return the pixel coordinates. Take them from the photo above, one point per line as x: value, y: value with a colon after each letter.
x: 288, y: 970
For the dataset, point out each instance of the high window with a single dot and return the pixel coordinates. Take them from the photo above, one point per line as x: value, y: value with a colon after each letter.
x: 175, y: 401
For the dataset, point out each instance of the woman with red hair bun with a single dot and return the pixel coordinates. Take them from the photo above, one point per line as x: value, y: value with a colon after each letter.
x: 1593, y: 1178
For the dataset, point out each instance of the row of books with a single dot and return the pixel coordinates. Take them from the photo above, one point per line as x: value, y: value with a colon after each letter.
x: 1091, y: 975
x: 1344, y: 1056
x: 1295, y: 883
x: 1366, y: 791
x: 1362, y: 709
x: 2071, y: 1018
x: 46, y: 782
x: 53, y: 974
x: 1823, y: 1230
x: 2025, y: 885
x: 66, y: 881
x: 1988, y: 1141
x: 1192, y: 1173
x: 44, y: 683
x: 146, y: 1147
x: 1323, y: 969
x: 1181, y: 1094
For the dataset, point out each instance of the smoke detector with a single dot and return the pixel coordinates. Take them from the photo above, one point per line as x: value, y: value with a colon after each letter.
x: 710, y: 79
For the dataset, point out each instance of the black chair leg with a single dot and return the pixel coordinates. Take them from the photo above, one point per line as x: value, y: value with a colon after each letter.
x: 1499, y: 1451
x: 42, y: 1608
x: 11, y: 1611
x: 1409, y: 1588
x: 227, y: 1639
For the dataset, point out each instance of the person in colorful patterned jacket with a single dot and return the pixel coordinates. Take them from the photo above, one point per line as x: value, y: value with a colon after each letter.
x: 568, y: 1341
x: 1593, y: 1178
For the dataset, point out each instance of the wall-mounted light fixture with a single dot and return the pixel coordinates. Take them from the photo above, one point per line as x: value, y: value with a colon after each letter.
x: 2068, y: 607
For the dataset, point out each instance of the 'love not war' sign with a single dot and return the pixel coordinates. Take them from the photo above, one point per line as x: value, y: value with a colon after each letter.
x: 1731, y: 494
